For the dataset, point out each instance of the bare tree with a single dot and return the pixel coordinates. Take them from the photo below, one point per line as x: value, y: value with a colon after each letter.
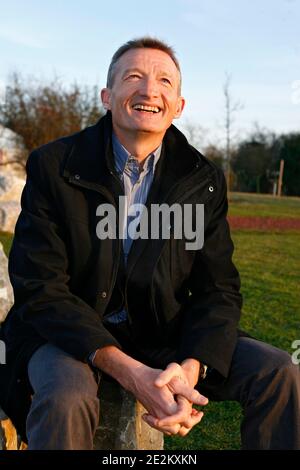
x: 39, y: 112
x: 215, y: 153
x: 231, y: 107
x: 194, y: 133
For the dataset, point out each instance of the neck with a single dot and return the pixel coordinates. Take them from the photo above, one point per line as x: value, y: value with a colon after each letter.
x: 140, y: 144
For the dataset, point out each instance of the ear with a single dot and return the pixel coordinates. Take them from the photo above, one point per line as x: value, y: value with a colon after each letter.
x: 179, y: 107
x: 105, y: 97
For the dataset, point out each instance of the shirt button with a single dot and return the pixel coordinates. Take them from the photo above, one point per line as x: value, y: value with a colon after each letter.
x: 103, y: 294
x: 77, y: 177
x: 210, y: 189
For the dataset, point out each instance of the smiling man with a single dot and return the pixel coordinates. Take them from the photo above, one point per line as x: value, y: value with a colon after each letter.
x: 158, y: 318
x: 143, y: 95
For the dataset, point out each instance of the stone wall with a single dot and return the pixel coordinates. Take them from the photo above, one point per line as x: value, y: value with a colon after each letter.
x: 6, y: 292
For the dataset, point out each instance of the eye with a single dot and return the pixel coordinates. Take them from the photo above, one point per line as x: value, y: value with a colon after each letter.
x: 133, y: 76
x: 166, y: 80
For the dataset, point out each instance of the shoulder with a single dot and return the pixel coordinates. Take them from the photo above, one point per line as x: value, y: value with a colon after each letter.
x: 202, y: 165
x: 50, y: 157
x: 210, y: 168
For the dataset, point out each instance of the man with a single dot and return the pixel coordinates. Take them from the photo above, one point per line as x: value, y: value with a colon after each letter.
x: 159, y: 318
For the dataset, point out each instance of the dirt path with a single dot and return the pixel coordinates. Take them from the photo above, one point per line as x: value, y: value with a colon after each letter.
x: 263, y: 223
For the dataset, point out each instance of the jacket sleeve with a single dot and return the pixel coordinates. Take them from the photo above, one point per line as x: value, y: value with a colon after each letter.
x: 211, y: 318
x: 38, y: 269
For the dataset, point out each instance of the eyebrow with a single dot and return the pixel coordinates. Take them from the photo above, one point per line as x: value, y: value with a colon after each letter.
x: 136, y: 69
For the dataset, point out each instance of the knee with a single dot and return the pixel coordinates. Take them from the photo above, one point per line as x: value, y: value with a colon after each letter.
x: 272, y: 361
x: 284, y: 378
x: 66, y: 400
x: 289, y: 373
x: 62, y: 418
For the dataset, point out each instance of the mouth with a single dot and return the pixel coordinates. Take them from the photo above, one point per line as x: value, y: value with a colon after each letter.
x: 143, y: 108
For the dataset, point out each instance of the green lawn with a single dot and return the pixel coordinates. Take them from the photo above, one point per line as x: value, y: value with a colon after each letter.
x: 269, y: 264
x: 245, y: 204
x: 6, y: 240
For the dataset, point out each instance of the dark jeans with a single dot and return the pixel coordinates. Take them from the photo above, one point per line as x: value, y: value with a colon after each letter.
x: 65, y: 409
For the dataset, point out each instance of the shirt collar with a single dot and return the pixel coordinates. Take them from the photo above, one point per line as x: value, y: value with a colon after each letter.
x: 122, y: 155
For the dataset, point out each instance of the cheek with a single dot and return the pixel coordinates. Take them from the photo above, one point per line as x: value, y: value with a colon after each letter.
x: 172, y: 100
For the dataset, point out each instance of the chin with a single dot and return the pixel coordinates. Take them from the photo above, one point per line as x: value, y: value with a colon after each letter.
x: 149, y: 129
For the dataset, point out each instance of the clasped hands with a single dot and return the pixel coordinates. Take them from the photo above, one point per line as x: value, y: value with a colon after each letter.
x: 169, y: 396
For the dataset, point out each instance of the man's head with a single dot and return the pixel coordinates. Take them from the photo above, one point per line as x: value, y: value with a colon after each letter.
x: 146, y: 42
x: 143, y: 87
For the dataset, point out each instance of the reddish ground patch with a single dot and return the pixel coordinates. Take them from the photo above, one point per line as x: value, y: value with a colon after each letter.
x: 263, y: 223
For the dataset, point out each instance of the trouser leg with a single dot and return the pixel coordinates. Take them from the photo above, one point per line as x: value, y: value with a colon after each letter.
x: 64, y: 413
x: 267, y: 384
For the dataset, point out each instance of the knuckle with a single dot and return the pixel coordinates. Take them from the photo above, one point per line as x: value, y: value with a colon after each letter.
x: 175, y: 381
x: 175, y: 429
x: 174, y: 365
x: 195, y: 395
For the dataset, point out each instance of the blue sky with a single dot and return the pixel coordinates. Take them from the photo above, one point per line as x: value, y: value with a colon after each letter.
x: 257, y: 42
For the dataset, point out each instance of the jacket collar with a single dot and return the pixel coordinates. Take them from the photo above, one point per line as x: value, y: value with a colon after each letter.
x: 90, y: 156
x: 91, y: 160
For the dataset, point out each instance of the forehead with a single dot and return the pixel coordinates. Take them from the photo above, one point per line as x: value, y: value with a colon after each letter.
x: 147, y: 59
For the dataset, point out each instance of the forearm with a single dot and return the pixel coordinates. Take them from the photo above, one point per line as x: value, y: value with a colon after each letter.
x: 118, y: 365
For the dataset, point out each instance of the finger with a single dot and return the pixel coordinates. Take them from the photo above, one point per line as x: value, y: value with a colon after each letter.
x: 168, y: 404
x: 193, y: 420
x: 153, y: 422
x: 182, y: 413
x: 184, y: 420
x: 165, y: 376
x: 183, y: 431
x: 193, y: 416
x: 179, y: 388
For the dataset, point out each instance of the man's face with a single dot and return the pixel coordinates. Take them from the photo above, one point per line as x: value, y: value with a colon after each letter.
x: 145, y: 93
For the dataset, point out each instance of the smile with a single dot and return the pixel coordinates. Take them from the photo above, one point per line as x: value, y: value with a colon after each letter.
x: 148, y: 109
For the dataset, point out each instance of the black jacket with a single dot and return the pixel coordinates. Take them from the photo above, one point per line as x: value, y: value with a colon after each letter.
x: 63, y: 276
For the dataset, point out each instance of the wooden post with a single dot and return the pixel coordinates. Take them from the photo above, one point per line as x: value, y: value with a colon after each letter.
x: 280, y: 177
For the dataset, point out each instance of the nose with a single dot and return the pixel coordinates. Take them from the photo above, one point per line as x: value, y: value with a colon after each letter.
x: 149, y: 87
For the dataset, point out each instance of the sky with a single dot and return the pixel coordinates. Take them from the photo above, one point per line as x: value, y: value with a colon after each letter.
x: 257, y: 43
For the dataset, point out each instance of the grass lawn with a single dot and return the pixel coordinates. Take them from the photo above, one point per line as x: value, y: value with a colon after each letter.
x: 269, y: 264
x: 6, y: 240
x: 263, y: 205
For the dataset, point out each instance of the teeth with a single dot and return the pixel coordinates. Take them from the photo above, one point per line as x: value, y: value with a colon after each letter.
x: 143, y: 107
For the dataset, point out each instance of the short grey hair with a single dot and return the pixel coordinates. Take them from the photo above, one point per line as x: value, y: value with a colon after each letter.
x: 145, y: 42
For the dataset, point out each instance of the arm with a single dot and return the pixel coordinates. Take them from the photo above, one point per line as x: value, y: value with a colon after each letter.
x: 38, y: 268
